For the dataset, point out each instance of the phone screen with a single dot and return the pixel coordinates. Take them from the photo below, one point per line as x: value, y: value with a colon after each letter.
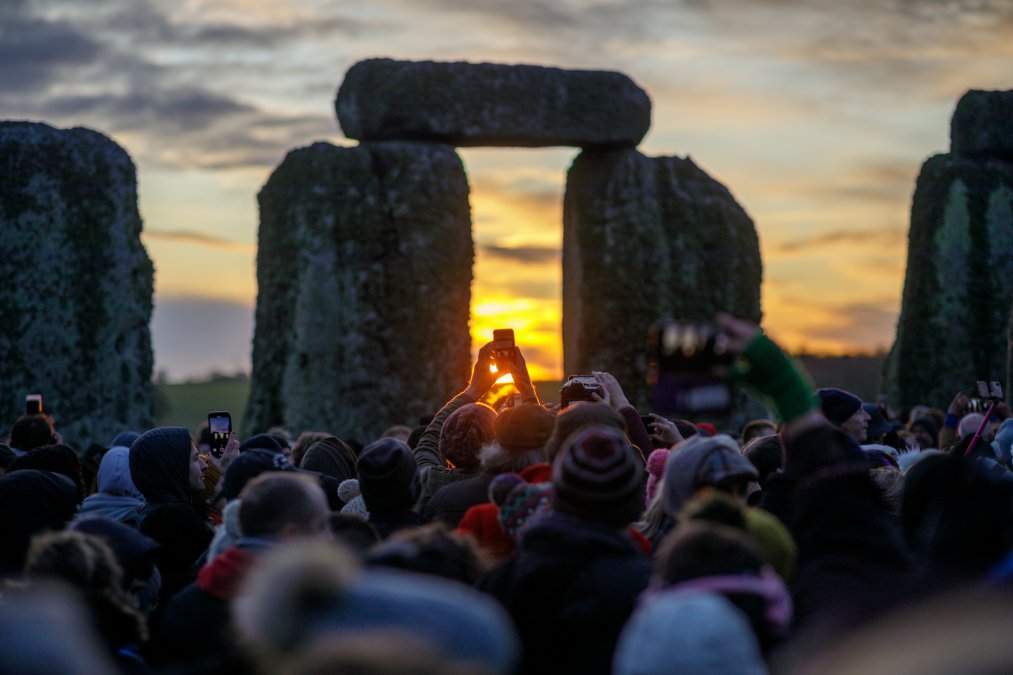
x: 220, y: 425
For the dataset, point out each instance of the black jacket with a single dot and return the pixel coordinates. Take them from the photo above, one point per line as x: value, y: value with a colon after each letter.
x: 569, y: 590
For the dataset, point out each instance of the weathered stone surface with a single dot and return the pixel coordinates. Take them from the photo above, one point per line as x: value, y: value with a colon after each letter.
x: 646, y: 239
x: 957, y: 290
x: 982, y: 125
x: 470, y: 104
x: 364, y: 272
x: 75, y: 282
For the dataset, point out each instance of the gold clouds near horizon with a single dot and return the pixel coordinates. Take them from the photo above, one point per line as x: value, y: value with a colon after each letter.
x: 518, y: 273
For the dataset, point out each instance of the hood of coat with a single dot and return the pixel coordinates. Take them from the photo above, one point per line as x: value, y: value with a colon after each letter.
x: 114, y: 474
x: 160, y: 465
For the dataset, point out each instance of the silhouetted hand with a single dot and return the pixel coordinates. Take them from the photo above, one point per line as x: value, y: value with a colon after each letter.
x: 230, y: 452
x: 959, y: 404
x: 738, y: 331
x: 482, y: 376
x: 612, y: 391
x: 522, y: 380
x: 664, y: 431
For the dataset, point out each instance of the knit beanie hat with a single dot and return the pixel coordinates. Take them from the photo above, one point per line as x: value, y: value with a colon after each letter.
x: 597, y: 477
x: 388, y: 476
x: 698, y: 462
x: 929, y: 425
x: 465, y: 432
x: 262, y: 442
x: 524, y: 428
x: 655, y: 470
x: 775, y: 542
x: 575, y: 417
x: 248, y: 466
x: 838, y: 405
x: 525, y: 505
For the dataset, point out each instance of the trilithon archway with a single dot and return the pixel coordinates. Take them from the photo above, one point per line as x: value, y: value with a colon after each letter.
x: 365, y: 257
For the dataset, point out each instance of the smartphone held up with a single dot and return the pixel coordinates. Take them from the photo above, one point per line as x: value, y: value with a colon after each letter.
x: 220, y: 426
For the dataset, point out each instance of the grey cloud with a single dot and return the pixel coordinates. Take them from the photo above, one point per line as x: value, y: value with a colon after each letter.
x: 35, y: 53
x: 195, y: 336
x: 891, y: 237
x: 535, y: 255
x: 859, y: 323
x: 200, y: 238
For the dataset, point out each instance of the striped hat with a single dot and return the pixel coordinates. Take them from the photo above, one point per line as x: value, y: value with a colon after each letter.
x: 598, y: 478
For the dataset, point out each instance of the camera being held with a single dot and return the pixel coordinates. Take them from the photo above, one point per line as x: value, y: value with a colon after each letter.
x: 688, y: 369
x: 579, y: 388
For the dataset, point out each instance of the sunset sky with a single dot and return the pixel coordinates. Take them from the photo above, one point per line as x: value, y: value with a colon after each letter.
x: 817, y: 116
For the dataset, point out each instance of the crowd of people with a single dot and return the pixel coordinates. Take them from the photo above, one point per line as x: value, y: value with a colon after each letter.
x: 834, y: 536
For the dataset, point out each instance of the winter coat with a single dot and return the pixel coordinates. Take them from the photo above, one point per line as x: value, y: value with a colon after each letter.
x: 569, y: 590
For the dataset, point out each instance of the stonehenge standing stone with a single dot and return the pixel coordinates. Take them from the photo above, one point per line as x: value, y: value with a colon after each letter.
x: 957, y: 291
x: 469, y: 104
x: 646, y: 239
x: 75, y: 282
x: 364, y: 272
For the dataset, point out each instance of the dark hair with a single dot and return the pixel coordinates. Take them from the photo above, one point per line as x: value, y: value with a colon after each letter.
x: 275, y: 499
x: 61, y: 459
x: 354, y: 531
x: 30, y: 432
x: 698, y: 549
x: 432, y: 549
x: 766, y: 453
x: 752, y: 426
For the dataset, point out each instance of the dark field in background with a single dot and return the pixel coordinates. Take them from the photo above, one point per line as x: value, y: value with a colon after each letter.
x: 187, y: 404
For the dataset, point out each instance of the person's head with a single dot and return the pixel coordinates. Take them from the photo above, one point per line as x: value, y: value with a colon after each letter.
x: 577, y: 416
x: 704, y: 549
x: 597, y: 477
x: 465, y: 432
x: 844, y: 410
x: 354, y: 531
x: 520, y: 434
x: 166, y: 466
x: 388, y: 477
x: 303, y: 443
x: 59, y: 459
x: 31, y: 501
x: 757, y: 429
x: 957, y: 514
x: 878, y: 425
x: 6, y: 457
x: 262, y: 442
x: 766, y: 453
x: 283, y: 506
x: 969, y: 424
x: 248, y: 466
x: 925, y: 432
x: 699, y: 462
x: 30, y: 432
x: 399, y: 432
x: 432, y: 549
x: 330, y: 456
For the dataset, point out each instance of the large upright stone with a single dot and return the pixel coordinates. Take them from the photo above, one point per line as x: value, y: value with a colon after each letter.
x: 364, y: 272
x: 957, y: 289
x: 469, y: 104
x: 982, y: 125
x: 75, y: 282
x: 646, y: 239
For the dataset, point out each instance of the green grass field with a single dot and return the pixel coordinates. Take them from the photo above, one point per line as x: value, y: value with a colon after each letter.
x: 188, y: 404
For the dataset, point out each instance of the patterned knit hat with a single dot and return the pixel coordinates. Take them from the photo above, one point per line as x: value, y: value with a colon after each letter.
x: 465, y: 432
x: 597, y: 477
x: 523, y: 506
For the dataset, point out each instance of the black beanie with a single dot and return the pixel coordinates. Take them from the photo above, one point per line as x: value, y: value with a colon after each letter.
x: 262, y: 442
x: 597, y: 477
x: 248, y: 466
x: 838, y: 405
x: 388, y: 476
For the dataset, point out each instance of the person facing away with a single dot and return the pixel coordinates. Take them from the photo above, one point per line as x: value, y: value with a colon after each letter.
x: 194, y: 630
x: 575, y: 580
